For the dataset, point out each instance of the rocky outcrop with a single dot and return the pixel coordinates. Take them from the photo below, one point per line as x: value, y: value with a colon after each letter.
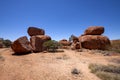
x: 21, y: 45
x: 94, y: 42
x: 32, y: 31
x: 37, y: 42
x: 75, y: 46
x: 37, y: 38
x: 94, y: 30
x: 92, y: 38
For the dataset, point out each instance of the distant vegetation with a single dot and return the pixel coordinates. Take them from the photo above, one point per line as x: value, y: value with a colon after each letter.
x: 109, y: 72
x: 115, y: 46
x: 5, y: 42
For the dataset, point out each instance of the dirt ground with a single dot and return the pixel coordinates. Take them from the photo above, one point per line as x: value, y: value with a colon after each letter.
x: 50, y: 66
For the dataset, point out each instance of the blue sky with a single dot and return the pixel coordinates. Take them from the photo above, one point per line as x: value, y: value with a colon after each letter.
x: 59, y: 18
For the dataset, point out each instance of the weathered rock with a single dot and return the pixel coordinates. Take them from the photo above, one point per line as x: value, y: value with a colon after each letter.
x: 64, y: 42
x: 21, y: 45
x: 94, y: 30
x: 32, y: 31
x: 75, y: 39
x: 94, y: 41
x: 76, y: 45
x: 37, y: 42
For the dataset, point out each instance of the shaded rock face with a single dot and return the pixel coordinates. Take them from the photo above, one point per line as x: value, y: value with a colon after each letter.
x: 37, y: 42
x: 1, y: 45
x: 21, y: 45
x: 94, y: 41
x: 94, y: 30
x: 32, y: 31
x: 64, y: 42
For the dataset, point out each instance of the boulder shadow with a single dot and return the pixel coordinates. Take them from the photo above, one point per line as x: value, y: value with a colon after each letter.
x: 21, y: 54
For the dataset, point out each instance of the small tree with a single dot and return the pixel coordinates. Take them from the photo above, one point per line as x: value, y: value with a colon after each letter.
x: 51, y: 45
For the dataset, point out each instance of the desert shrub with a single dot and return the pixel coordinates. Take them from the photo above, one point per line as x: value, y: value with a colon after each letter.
x: 51, y: 45
x: 109, y: 72
x: 7, y: 43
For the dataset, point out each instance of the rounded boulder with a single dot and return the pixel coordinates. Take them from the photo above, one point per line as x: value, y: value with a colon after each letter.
x: 32, y: 31
x: 94, y: 42
x: 94, y: 30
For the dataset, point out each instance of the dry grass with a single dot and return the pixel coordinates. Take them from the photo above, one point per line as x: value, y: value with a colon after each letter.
x: 115, y: 46
x: 108, y: 76
x: 114, y: 60
x: 109, y: 72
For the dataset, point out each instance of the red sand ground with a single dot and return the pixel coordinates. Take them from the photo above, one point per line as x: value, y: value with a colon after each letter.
x: 50, y: 66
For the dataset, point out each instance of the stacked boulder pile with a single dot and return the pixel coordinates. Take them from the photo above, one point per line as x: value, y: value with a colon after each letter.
x: 93, y: 38
x: 37, y: 38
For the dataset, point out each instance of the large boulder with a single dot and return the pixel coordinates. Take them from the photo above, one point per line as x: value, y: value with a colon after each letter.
x: 94, y: 30
x: 94, y: 42
x: 21, y: 45
x: 64, y: 42
x: 37, y: 42
x: 32, y: 31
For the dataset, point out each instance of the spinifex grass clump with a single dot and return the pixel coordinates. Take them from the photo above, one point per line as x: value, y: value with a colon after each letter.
x: 108, y: 72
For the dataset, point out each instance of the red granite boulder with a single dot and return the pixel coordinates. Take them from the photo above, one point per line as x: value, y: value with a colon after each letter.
x: 94, y: 30
x: 32, y: 31
x: 94, y: 42
x: 37, y: 42
x: 21, y: 45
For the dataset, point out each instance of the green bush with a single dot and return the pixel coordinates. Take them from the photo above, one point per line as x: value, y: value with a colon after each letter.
x: 51, y: 45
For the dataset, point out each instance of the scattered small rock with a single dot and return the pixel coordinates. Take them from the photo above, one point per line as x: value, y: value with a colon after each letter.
x: 75, y: 71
